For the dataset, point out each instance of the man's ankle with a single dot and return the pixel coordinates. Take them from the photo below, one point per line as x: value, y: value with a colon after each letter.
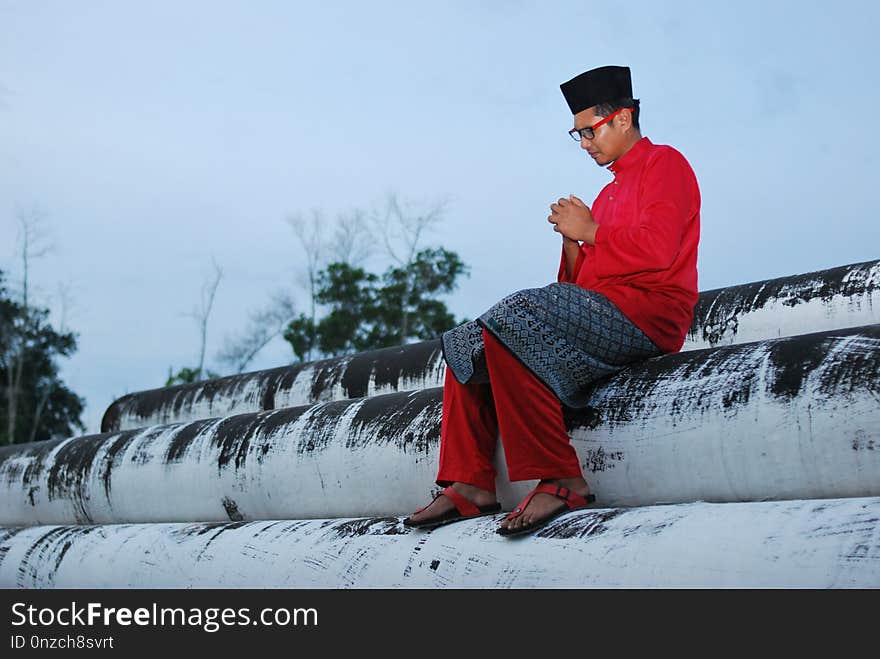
x: 576, y: 484
x: 473, y: 492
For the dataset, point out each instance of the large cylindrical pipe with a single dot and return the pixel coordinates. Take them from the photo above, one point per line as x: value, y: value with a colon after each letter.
x: 848, y: 296
x: 792, y: 418
x: 790, y: 544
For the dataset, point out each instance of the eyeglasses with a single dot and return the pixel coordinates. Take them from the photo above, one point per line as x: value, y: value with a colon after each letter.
x: 577, y: 134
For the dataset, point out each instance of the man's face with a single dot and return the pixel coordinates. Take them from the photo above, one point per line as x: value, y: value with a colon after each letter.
x: 609, y: 140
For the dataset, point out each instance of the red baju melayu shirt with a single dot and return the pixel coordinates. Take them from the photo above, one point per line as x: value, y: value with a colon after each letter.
x: 645, y: 256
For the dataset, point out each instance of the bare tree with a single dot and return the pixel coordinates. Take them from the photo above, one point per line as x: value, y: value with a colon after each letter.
x: 402, y: 226
x: 311, y: 238
x: 202, y: 312
x: 263, y: 327
x: 33, y: 238
x: 352, y: 240
x: 33, y: 244
x: 399, y: 226
x: 65, y: 302
x: 270, y: 322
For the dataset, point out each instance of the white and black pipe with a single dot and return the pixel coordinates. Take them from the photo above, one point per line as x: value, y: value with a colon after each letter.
x: 847, y: 296
x: 834, y: 543
x: 790, y: 418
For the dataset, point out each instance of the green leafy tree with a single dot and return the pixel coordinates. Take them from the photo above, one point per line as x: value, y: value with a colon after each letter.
x: 188, y: 375
x: 200, y: 314
x: 34, y: 403
x: 365, y: 311
x: 301, y: 334
x: 347, y: 308
x: 351, y: 295
x: 407, y: 306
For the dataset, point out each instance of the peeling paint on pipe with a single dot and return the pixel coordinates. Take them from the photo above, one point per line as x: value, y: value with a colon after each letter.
x: 374, y: 372
x: 793, y: 418
x: 847, y: 296
x: 832, y: 543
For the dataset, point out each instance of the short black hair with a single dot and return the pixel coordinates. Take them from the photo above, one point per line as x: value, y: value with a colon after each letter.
x: 604, y: 109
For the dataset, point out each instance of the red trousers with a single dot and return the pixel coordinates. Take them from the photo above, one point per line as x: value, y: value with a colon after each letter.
x: 516, y: 404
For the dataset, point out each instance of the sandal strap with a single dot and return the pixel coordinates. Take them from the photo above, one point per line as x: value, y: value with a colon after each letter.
x: 429, y: 505
x: 522, y: 505
x: 571, y: 499
x: 464, y: 506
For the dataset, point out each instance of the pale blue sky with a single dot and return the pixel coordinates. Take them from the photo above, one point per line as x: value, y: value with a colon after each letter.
x: 159, y: 134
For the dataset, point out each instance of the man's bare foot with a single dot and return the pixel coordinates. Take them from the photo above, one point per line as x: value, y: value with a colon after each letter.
x: 543, y: 505
x: 442, y: 503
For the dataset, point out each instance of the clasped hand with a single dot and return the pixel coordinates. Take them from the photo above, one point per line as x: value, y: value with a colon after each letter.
x: 573, y: 219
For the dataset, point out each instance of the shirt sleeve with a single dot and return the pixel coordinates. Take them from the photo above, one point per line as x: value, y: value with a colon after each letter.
x: 652, y: 242
x: 574, y: 271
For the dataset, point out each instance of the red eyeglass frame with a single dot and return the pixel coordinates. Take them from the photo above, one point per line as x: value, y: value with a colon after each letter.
x: 577, y: 135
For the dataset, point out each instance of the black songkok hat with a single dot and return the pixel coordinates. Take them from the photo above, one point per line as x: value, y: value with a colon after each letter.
x: 607, y: 83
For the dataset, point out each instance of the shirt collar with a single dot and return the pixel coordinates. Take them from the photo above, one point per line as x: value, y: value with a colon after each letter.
x: 632, y: 157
